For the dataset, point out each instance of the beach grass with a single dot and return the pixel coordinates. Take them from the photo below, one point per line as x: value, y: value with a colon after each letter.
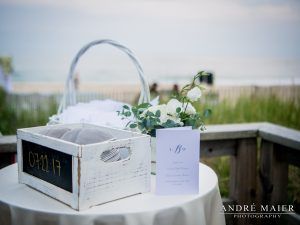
x: 256, y: 109
x: 11, y: 120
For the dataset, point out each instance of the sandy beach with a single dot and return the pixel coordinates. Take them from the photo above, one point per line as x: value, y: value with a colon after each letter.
x: 56, y: 87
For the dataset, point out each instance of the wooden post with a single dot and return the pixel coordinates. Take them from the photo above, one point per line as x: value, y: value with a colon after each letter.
x: 243, y: 176
x: 280, y: 175
x: 273, y: 173
x: 265, y: 171
x: 243, y: 172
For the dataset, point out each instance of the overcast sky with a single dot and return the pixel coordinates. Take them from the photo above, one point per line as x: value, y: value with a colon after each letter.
x: 229, y: 37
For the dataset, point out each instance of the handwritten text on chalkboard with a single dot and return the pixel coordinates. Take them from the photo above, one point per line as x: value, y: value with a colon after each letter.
x: 48, y: 164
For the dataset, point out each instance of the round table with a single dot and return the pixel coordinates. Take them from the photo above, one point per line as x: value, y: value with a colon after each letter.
x: 20, y: 204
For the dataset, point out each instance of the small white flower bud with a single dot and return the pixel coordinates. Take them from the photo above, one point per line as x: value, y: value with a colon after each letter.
x: 194, y: 94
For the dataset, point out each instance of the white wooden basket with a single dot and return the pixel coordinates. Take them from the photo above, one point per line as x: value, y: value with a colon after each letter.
x: 69, y: 96
x: 77, y: 174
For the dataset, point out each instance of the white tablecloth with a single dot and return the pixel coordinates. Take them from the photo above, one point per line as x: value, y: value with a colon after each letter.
x: 20, y: 204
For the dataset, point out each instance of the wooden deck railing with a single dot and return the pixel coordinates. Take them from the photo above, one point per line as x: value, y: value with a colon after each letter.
x: 260, y: 154
x: 259, y: 157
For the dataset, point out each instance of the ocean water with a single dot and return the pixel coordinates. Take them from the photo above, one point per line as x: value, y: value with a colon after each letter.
x: 110, y: 78
x: 226, y: 72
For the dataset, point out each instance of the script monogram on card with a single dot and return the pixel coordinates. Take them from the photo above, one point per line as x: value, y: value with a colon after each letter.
x: 178, y: 149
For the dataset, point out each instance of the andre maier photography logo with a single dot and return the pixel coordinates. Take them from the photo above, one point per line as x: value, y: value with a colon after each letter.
x: 257, y: 211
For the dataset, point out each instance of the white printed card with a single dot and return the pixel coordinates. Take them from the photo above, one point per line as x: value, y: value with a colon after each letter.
x: 177, y: 168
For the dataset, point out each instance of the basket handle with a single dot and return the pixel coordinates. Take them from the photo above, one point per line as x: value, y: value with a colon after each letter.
x: 69, y: 96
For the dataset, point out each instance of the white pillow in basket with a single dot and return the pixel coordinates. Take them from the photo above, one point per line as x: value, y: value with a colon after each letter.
x: 85, y: 136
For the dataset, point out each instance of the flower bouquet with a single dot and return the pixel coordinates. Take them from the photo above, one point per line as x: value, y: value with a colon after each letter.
x: 179, y: 111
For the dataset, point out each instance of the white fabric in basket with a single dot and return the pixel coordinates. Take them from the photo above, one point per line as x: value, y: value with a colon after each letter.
x: 98, y: 112
x: 85, y: 136
x: 81, y: 136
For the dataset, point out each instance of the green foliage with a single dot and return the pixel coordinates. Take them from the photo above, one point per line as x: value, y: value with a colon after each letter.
x: 294, y: 185
x: 8, y: 117
x: 139, y: 117
x: 11, y: 120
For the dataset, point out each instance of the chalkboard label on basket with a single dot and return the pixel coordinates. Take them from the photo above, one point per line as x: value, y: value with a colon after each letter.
x: 48, y: 164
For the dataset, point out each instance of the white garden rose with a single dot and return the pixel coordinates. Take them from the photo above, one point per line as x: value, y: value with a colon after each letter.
x: 194, y: 94
x: 164, y: 114
x: 155, y: 108
x: 189, y: 109
x: 164, y: 118
x: 172, y: 105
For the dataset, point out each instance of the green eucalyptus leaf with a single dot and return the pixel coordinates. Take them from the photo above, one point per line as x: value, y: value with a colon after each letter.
x: 141, y: 110
x: 134, y: 110
x: 127, y: 114
x: 169, y: 124
x: 148, y: 123
x: 133, y: 125
x: 148, y: 113
x: 127, y: 123
x: 144, y: 105
x: 158, y: 113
